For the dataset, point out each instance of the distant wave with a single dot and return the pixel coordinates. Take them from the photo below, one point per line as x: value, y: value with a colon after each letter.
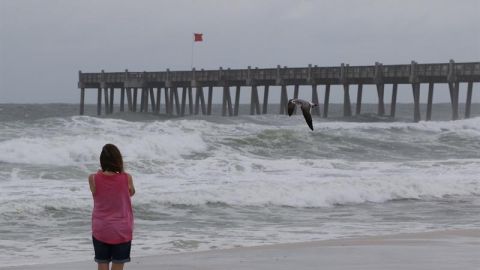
x: 70, y: 141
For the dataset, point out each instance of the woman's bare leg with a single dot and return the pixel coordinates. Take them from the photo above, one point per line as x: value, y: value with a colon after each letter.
x: 117, y: 266
x: 103, y: 266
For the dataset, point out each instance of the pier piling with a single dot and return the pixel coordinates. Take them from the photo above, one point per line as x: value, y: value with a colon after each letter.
x: 380, y: 93
x: 167, y: 101
x: 454, y: 89
x: 393, y: 104
x: 107, y: 105
x: 429, y: 102
x: 316, y: 110
x: 237, y: 100
x: 468, y: 103
x: 227, y: 102
x: 152, y: 99
x: 135, y: 96
x: 122, y: 99
x: 82, y: 101
x: 326, y: 101
x: 359, y: 99
x: 265, y: 99
x: 416, y: 102
x: 209, y: 102
x: 347, y: 107
x: 283, y: 99
x: 184, y: 100
x: 158, y: 101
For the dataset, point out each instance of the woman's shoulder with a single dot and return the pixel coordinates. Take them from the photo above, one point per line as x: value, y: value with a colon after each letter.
x: 92, y: 175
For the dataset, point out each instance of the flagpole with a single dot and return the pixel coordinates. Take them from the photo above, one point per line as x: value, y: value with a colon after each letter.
x: 191, y: 60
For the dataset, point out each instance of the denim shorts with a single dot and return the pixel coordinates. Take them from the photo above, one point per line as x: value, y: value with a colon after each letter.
x: 105, y: 253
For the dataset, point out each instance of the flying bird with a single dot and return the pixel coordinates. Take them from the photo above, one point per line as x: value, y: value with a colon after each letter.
x: 306, y: 107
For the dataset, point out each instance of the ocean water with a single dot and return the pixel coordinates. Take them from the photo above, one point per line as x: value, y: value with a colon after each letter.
x: 220, y: 182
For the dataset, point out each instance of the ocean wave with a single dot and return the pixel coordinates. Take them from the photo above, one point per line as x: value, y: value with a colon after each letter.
x: 310, y: 183
x: 78, y: 139
x: 252, y: 181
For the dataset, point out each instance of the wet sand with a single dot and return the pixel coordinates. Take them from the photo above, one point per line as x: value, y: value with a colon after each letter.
x: 456, y: 249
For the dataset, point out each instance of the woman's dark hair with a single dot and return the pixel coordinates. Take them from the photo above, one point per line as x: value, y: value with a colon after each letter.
x: 111, y: 159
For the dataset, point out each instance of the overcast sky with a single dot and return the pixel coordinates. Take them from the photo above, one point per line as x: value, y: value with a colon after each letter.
x: 43, y: 43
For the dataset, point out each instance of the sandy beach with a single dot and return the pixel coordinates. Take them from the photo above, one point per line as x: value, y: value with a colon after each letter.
x: 456, y: 249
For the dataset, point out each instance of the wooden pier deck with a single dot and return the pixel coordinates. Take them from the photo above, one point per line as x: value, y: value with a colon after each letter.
x: 170, y: 82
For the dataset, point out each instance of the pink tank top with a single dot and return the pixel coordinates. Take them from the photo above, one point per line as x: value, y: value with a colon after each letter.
x: 112, y: 217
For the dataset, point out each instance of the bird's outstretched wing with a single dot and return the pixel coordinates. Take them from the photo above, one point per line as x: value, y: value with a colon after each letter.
x: 291, y: 106
x: 307, y: 115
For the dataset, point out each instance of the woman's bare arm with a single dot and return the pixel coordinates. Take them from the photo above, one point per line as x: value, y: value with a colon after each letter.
x: 91, y: 182
x: 131, y: 187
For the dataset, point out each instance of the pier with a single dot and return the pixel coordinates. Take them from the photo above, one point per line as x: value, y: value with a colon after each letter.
x: 167, y: 91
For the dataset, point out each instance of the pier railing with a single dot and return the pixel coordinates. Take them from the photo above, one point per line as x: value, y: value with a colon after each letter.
x: 390, y: 74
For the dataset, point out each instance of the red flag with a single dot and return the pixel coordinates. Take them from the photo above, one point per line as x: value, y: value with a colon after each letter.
x: 197, y: 37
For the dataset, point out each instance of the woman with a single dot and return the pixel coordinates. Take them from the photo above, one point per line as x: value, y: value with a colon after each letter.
x: 112, y: 217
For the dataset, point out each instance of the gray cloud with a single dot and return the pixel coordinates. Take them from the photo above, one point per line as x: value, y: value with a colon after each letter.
x: 43, y: 44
